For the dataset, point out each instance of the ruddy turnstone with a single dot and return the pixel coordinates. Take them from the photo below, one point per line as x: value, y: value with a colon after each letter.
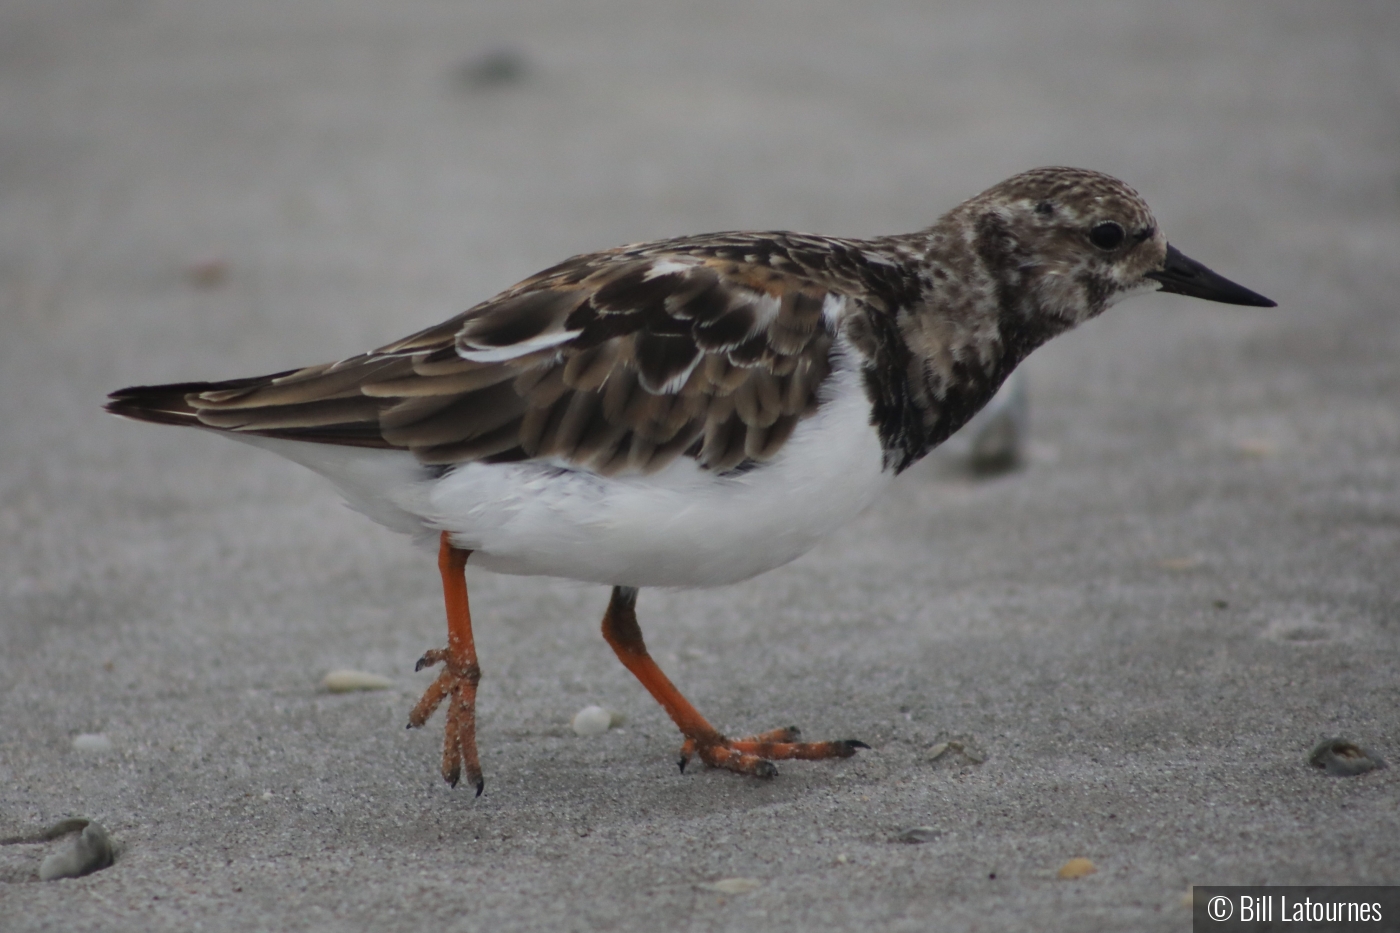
x: 693, y: 411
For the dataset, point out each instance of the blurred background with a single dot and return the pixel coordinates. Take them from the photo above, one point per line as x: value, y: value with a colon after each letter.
x: 421, y: 156
x: 1194, y: 566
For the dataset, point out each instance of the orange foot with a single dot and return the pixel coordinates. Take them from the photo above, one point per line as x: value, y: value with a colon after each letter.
x: 459, y: 677
x: 457, y: 684
x: 753, y: 754
x: 750, y: 755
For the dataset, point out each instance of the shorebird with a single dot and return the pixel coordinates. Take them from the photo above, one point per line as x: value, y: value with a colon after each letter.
x: 692, y: 411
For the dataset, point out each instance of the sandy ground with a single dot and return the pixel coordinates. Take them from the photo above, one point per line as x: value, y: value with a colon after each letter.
x: 1141, y: 633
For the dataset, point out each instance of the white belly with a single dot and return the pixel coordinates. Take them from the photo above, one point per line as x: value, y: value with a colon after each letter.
x: 681, y: 526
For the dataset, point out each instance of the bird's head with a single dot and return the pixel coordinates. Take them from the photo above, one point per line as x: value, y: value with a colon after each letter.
x: 1069, y: 243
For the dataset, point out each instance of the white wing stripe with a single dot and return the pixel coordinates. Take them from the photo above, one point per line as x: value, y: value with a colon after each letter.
x: 501, y: 354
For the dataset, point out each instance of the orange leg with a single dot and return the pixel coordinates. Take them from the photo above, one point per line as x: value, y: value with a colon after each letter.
x: 748, y: 755
x: 459, y: 677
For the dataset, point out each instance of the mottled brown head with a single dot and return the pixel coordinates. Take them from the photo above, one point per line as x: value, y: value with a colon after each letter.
x: 1065, y: 241
x: 1069, y: 243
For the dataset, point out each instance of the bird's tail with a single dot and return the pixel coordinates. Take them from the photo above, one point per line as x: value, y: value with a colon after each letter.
x: 169, y: 404
x: 308, y: 404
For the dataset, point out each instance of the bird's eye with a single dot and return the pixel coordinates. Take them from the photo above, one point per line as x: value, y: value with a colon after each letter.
x: 1106, y: 235
x: 1045, y: 208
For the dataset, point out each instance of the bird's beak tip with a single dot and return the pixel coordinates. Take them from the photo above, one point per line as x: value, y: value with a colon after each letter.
x: 1182, y: 275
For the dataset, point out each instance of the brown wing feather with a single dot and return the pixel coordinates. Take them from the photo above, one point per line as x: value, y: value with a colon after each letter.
x: 616, y: 361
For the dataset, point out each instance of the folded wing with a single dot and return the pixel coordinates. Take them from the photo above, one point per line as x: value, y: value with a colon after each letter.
x: 614, y: 362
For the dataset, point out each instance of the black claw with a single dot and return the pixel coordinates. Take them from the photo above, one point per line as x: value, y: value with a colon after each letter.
x: 766, y: 769
x: 794, y: 731
x: 452, y: 780
x: 480, y: 785
x: 682, y: 763
x: 422, y: 663
x: 855, y: 743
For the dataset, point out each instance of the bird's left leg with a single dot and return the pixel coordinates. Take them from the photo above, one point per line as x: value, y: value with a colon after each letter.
x: 460, y: 674
x: 749, y: 755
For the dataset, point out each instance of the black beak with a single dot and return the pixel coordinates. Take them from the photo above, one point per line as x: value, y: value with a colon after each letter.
x: 1185, y: 276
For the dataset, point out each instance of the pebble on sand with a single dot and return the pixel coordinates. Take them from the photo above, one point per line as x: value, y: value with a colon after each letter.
x: 916, y: 835
x: 494, y: 67
x: 92, y: 742
x: 594, y: 720
x: 85, y: 853
x: 1344, y: 758
x: 346, y: 681
x: 1077, y: 868
x: 963, y: 751
x: 733, y: 885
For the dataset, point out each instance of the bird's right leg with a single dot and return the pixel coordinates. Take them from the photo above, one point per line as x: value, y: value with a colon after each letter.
x: 459, y: 677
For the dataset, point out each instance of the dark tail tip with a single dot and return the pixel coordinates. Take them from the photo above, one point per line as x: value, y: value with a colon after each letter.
x: 157, y: 404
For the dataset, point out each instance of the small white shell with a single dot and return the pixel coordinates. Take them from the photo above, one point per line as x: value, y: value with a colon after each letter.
x: 917, y: 835
x: 733, y: 885
x: 345, y: 681
x: 591, y: 721
x: 92, y: 742
x: 1076, y: 868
